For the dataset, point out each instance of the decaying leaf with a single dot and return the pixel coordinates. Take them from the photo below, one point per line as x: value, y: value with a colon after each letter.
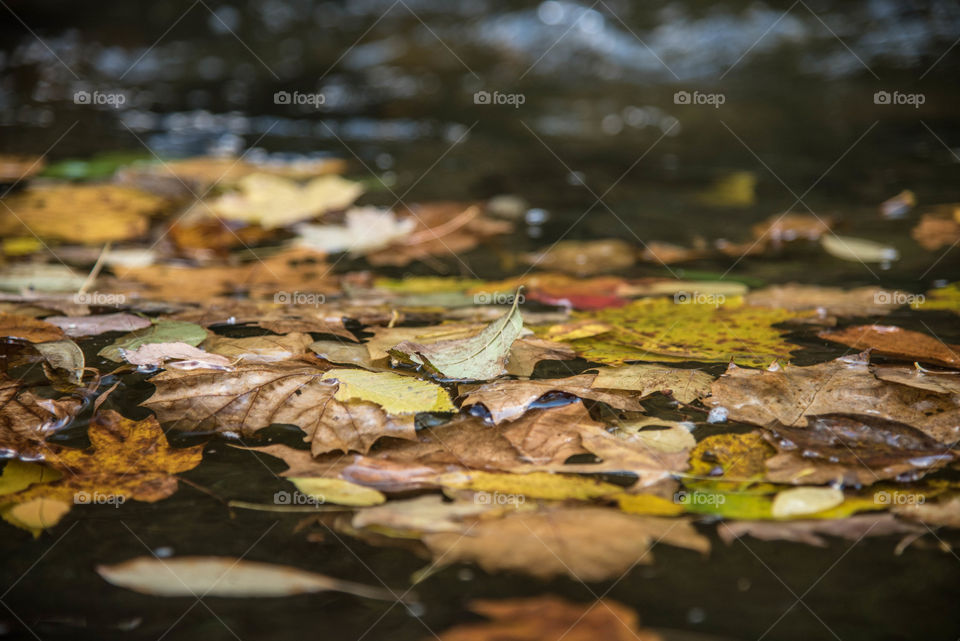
x: 547, y: 618
x: 888, y: 340
x: 790, y: 394
x: 338, y: 491
x: 862, y: 301
x: 64, y: 355
x: 219, y: 576
x: 27, y: 419
x: 156, y: 354
x: 479, y: 357
x: 395, y: 393
x: 259, y: 349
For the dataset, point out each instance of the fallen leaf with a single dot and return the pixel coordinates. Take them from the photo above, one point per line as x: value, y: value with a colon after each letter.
x: 729, y: 462
x: 64, y: 355
x: 898, y: 206
x: 367, y: 229
x: 110, y: 213
x: 791, y: 394
x: 156, y: 354
x: 563, y: 542
x: 935, y: 231
x: 338, y: 491
x: 479, y: 357
x: 78, y: 326
x: 734, y: 189
x: 221, y: 576
x: 342, y: 353
x: 26, y: 419
x: 584, y: 258
x: 36, y: 514
x: 161, y: 331
x: 395, y: 393
x: 549, y: 617
x: 662, y: 330
x: 667, y: 253
x: 854, y: 450
x: 664, y: 436
x: 508, y: 400
x: 557, y: 289
x: 896, y: 342
x: 800, y: 501
x: 40, y: 278
x: 852, y: 528
x: 858, y: 249
x: 862, y: 301
x: 259, y: 349
x: 14, y: 168
x: 28, y: 329
x: 945, y: 511
x: 273, y: 201
x: 528, y: 351
x: 785, y: 228
x: 685, y: 385
x: 517, y: 488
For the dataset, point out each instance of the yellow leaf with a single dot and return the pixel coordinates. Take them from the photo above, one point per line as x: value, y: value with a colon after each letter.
x: 395, y: 393
x: 338, y: 491
x: 648, y: 504
x: 273, y: 201
x: 536, y: 485
x: 18, y: 475
x: 36, y: 514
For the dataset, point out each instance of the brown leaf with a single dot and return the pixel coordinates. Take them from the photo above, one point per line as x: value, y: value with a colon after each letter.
x: 584, y: 543
x: 896, y: 342
x: 280, y: 319
x: 259, y: 349
x: 527, y: 351
x: 549, y: 436
x: 28, y: 329
x: 26, y: 419
x: 685, y: 385
x: 549, y: 617
x: 584, y: 258
x: 852, y: 528
x: 355, y: 426
x: 779, y: 229
x: 507, y: 400
x: 935, y: 231
x: 855, y: 450
x: 790, y: 394
x: 76, y: 326
x: 862, y: 301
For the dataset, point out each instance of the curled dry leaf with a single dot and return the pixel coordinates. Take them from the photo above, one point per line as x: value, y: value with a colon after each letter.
x: 156, y: 354
x: 507, y: 400
x: 896, y: 342
x: 554, y: 542
x: 64, y: 355
x: 26, y: 419
x: 77, y: 326
x: 550, y: 617
x: 28, y: 329
x: 221, y: 576
x: 790, y: 394
x: 479, y: 357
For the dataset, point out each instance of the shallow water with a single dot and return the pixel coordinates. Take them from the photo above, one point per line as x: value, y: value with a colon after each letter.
x: 601, y: 146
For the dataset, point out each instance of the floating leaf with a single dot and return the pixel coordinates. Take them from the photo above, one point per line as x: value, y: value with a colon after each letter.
x: 162, y: 331
x: 858, y: 249
x: 259, y: 349
x: 28, y: 329
x: 395, y: 393
x: 685, y: 385
x: 338, y: 491
x: 65, y: 355
x: 77, y: 326
x: 801, y: 501
x: 273, y: 201
x: 897, y: 342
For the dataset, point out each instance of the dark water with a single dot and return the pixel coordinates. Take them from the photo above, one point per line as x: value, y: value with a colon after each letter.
x: 599, y: 144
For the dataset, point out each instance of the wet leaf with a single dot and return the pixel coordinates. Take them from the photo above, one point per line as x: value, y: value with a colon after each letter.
x: 342, y: 353
x: 729, y: 462
x: 28, y: 329
x: 40, y: 278
x: 65, y: 355
x: 522, y: 487
x: 220, y: 576
x: 661, y: 330
x: 259, y: 349
x: 528, y: 351
x: 896, y: 342
x: 800, y: 501
x: 338, y: 491
x: 27, y: 419
x: 685, y: 385
x: 395, y: 393
x: 852, y: 528
x: 156, y: 354
x: 78, y: 326
x: 935, y: 231
x: 790, y: 394
x: 563, y: 542
x: 367, y: 229
x: 36, y: 514
x: 478, y: 357
x: 862, y: 301
x: 162, y: 331
x: 549, y: 617
x: 427, y: 513
x: 507, y: 400
x: 785, y: 228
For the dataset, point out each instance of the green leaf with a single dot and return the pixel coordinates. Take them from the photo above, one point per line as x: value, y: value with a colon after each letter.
x: 163, y: 331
